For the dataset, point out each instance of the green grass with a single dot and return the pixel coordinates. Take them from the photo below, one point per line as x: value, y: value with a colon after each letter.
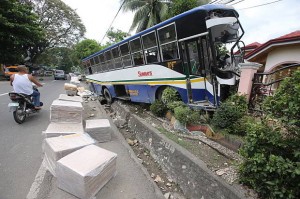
x: 176, y: 138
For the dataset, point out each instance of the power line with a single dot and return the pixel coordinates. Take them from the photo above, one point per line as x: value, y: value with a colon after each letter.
x: 260, y: 5
x: 112, y: 22
x: 213, y: 2
x: 237, y: 2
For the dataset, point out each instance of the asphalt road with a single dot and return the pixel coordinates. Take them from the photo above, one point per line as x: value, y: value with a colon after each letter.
x: 21, y: 145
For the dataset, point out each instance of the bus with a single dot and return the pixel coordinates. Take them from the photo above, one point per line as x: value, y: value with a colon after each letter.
x: 182, y: 52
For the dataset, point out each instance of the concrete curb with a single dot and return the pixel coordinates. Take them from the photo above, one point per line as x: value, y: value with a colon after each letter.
x: 40, y: 186
x: 190, y: 173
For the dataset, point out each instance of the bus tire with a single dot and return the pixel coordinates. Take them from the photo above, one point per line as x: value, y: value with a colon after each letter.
x: 107, y: 96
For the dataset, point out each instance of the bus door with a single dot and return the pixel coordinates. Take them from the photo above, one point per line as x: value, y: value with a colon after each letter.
x: 196, y: 61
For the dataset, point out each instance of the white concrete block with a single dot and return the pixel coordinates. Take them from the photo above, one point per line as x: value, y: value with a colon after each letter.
x: 66, y: 112
x: 58, y: 129
x: 84, y: 172
x: 57, y: 147
x: 99, y: 129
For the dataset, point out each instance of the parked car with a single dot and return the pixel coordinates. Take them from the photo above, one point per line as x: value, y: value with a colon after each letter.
x: 48, y: 73
x: 60, y: 74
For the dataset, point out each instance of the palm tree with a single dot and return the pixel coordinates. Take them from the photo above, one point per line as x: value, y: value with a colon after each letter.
x: 147, y: 12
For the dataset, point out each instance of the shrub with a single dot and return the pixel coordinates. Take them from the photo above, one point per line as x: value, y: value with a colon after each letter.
x: 158, y: 108
x: 172, y: 105
x: 241, y: 126
x: 170, y: 95
x: 230, y: 111
x: 185, y: 115
x: 272, y: 148
x: 285, y: 104
x: 271, y: 165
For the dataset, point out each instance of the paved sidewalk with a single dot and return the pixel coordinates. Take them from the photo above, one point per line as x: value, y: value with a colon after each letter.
x: 131, y: 182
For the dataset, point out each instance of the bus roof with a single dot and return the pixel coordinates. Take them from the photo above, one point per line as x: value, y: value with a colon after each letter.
x: 207, y: 8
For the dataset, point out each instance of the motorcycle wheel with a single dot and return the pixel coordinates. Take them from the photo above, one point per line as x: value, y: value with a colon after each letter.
x: 19, y: 115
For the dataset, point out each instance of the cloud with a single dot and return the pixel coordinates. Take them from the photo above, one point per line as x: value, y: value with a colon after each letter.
x: 270, y: 21
x: 97, y: 16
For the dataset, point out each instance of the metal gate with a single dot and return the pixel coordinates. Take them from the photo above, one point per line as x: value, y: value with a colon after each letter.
x: 265, y: 84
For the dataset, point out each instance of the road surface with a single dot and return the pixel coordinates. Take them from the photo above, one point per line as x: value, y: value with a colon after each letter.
x: 21, y: 145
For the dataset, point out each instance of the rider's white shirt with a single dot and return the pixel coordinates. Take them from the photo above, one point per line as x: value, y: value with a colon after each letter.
x: 22, y: 84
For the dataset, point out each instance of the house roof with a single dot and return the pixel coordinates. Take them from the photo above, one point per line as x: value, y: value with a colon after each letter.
x: 293, y: 37
x: 252, y: 45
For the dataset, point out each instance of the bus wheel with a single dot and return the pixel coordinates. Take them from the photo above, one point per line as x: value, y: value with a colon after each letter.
x: 107, y: 96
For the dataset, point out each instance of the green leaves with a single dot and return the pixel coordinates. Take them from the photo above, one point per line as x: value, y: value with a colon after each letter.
x: 230, y: 114
x: 158, y: 108
x: 19, y: 30
x: 147, y: 13
x: 285, y: 104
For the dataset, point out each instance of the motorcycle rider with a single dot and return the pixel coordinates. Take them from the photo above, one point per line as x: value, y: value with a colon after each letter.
x: 22, y: 83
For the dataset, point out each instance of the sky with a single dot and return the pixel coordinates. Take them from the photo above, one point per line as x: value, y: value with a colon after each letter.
x: 260, y: 23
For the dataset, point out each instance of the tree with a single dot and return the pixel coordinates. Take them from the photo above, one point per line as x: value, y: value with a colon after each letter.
x: 86, y: 48
x: 181, y: 6
x: 58, y: 57
x: 147, y: 13
x: 62, y: 25
x: 116, y: 36
x: 19, y: 30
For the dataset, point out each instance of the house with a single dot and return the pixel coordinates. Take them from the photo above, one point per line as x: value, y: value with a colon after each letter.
x: 267, y: 64
x: 276, y: 54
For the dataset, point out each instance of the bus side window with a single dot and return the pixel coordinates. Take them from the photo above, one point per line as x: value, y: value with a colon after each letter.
x: 117, y: 59
x: 92, y: 61
x: 126, y: 58
x: 168, y: 42
x: 136, y: 51
x: 109, y: 63
x: 150, y: 48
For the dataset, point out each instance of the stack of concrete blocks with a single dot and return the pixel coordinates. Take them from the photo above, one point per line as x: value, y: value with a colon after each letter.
x: 66, y: 112
x: 81, y: 168
x: 84, y: 172
x: 99, y: 129
x: 56, y: 148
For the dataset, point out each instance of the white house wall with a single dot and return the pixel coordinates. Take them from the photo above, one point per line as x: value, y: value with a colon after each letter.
x: 282, y: 55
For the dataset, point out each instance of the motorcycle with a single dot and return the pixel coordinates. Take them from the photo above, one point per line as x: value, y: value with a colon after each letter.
x: 21, y: 106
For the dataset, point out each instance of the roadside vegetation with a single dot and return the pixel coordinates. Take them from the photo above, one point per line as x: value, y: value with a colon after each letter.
x: 271, y: 142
